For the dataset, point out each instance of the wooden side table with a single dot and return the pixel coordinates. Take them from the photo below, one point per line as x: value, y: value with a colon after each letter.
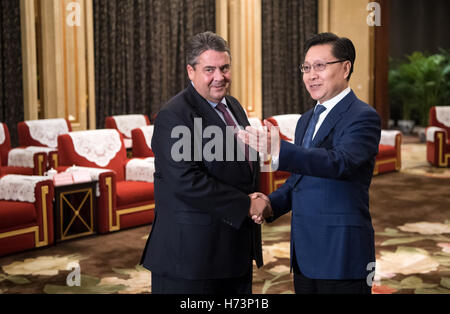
x: 75, y: 210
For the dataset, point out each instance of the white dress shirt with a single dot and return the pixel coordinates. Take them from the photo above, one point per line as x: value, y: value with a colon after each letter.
x: 329, y: 105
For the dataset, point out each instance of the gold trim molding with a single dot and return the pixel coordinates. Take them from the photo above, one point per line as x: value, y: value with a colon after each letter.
x: 239, y: 22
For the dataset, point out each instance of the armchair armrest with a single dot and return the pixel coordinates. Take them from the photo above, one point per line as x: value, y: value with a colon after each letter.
x: 137, y: 169
x: 53, y: 159
x: 389, y: 137
x: 44, y: 193
x: 20, y: 188
x: 30, y: 157
x: 107, y: 203
x: 40, y: 161
x: 432, y: 131
x: 437, y: 146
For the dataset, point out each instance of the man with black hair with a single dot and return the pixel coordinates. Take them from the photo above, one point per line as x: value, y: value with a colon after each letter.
x: 332, y: 162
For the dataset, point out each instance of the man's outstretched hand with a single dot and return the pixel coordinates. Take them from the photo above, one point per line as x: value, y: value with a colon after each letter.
x: 265, y: 140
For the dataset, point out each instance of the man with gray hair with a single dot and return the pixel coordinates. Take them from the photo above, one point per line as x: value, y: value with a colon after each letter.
x: 203, y: 239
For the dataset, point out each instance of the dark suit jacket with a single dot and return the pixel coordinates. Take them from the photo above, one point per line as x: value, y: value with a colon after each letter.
x: 328, y: 192
x: 201, y: 228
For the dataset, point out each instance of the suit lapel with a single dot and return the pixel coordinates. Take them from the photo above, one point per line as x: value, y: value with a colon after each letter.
x: 302, y: 127
x: 299, y: 135
x: 333, y: 118
x: 203, y: 109
x: 242, y: 121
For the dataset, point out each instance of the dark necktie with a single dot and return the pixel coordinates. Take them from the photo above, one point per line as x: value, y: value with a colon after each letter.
x: 230, y: 122
x: 312, y: 126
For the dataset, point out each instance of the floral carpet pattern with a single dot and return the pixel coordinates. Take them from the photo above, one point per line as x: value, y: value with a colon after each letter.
x: 411, y: 217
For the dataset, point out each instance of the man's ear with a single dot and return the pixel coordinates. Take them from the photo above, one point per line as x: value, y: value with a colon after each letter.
x: 347, y: 68
x: 191, y: 72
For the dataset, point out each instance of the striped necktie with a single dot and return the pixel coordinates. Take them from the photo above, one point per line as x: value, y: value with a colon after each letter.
x: 230, y: 122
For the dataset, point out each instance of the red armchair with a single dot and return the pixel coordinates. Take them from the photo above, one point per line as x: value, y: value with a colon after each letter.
x: 389, y: 152
x: 287, y: 124
x: 125, y: 124
x: 122, y: 203
x: 26, y: 213
x: 43, y: 133
x: 142, y: 141
x: 438, y: 137
x: 19, y: 160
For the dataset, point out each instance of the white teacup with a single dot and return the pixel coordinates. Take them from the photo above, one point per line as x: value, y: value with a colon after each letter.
x: 51, y: 173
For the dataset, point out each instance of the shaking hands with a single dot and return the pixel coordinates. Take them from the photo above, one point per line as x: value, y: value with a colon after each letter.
x: 260, y: 207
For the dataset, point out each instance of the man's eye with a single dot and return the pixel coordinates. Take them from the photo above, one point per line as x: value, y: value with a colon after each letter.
x: 319, y: 65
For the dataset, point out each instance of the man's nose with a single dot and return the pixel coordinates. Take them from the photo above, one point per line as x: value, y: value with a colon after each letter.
x: 218, y: 75
x: 313, y: 75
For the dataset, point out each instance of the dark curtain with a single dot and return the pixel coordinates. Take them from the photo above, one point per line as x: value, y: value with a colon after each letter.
x: 286, y: 25
x: 139, y: 52
x: 11, y: 85
x: 422, y: 27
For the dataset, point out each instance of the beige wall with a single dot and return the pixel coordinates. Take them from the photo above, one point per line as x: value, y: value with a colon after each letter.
x: 239, y: 22
x: 348, y: 18
x: 66, y: 68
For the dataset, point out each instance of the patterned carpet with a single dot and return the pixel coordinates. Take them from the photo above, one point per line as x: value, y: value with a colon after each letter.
x: 411, y: 217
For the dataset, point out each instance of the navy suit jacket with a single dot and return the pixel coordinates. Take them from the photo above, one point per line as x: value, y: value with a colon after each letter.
x: 201, y: 228
x: 328, y: 192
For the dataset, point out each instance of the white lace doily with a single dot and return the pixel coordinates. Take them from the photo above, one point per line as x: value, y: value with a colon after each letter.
x: 20, y: 157
x: 148, y: 134
x: 93, y: 172
x: 2, y: 134
x: 128, y: 122
x: 388, y: 137
x: 443, y: 115
x: 47, y: 131
x: 40, y: 149
x: 97, y: 146
x: 431, y: 131
x: 140, y: 169
x: 287, y: 124
x: 19, y: 188
x: 23, y: 157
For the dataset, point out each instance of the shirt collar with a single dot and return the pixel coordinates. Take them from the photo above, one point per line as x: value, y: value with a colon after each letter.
x: 214, y: 105
x: 329, y: 104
